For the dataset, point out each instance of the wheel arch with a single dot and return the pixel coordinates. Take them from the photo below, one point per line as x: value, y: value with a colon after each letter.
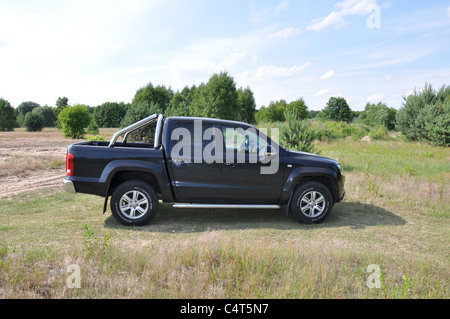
x: 300, y: 175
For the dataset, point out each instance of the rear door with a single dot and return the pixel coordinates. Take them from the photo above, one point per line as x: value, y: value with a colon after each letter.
x: 193, y: 179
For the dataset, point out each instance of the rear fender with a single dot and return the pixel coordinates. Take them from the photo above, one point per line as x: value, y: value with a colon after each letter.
x: 154, y: 169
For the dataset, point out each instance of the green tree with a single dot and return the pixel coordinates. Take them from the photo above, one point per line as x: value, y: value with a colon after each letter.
x: 300, y: 107
x: 181, y: 102
x: 110, y: 114
x: 34, y: 121
x: 48, y: 113
x: 26, y: 107
x: 73, y: 120
x: 61, y: 102
x: 246, y: 104
x: 273, y: 113
x: 337, y: 109
x: 7, y: 116
x: 313, y: 114
x: 159, y: 95
x: 217, y: 98
x: 378, y: 114
x: 297, y: 133
x: 136, y: 112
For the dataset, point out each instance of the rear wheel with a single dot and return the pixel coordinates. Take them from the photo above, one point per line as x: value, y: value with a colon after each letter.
x: 311, y: 203
x: 134, y: 203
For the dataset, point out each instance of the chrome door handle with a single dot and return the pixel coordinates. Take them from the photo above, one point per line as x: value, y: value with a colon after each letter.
x: 177, y: 161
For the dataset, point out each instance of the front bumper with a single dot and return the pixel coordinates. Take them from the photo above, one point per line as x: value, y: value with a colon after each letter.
x: 68, y: 186
x: 341, y: 190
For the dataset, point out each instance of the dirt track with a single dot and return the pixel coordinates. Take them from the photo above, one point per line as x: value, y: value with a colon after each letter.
x: 31, y: 161
x: 31, y: 181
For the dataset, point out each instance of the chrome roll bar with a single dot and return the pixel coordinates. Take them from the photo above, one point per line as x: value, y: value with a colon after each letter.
x: 140, y: 124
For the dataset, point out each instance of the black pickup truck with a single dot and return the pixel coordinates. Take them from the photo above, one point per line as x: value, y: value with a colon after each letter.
x: 202, y: 163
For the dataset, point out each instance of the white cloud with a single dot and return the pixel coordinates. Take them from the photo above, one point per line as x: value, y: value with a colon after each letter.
x: 258, y: 15
x: 334, y: 18
x: 321, y: 92
x: 271, y: 72
x: 327, y: 75
x: 376, y: 97
x: 285, y: 33
x: 344, y: 8
x: 352, y: 7
x: 192, y: 67
x: 255, y: 58
x: 198, y: 67
x: 282, y: 6
x: 232, y: 59
x: 196, y: 62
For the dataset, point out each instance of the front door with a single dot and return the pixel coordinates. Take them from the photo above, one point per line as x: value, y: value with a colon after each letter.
x: 248, y: 176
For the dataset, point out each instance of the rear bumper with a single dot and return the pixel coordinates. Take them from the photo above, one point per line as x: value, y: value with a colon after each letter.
x: 68, y: 186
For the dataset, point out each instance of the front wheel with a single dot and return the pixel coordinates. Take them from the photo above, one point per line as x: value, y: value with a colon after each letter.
x: 311, y: 203
x: 134, y: 203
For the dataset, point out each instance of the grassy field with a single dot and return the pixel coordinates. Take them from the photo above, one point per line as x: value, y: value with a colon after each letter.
x: 395, y: 215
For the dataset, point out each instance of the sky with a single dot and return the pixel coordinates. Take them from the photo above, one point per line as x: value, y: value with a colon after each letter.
x: 100, y: 51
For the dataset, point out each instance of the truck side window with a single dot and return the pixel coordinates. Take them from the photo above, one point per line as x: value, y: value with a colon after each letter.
x: 238, y: 139
x: 192, y: 141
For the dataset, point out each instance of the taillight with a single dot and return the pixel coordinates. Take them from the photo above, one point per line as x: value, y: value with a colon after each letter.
x: 69, y: 164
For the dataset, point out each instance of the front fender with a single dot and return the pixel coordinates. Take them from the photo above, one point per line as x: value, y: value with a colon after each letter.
x: 301, y: 173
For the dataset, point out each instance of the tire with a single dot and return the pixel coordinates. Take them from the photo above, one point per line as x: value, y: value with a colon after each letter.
x: 134, y: 203
x: 311, y: 203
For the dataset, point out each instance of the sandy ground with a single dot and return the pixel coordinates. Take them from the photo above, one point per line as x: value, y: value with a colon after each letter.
x: 31, y: 161
x: 31, y: 181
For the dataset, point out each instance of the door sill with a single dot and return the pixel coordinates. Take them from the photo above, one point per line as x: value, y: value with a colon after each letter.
x: 230, y: 206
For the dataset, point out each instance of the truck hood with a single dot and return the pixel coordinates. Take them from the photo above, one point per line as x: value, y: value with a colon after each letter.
x: 298, y: 157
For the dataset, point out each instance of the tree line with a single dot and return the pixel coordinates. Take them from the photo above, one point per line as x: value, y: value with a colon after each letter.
x: 424, y: 115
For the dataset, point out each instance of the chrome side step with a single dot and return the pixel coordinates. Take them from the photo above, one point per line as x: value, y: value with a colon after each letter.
x: 238, y: 206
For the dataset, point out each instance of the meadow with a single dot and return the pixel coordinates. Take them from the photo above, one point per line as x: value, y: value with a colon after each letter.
x: 395, y: 215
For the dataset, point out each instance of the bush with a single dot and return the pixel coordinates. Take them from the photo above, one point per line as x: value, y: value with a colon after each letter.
x: 73, y: 120
x: 378, y: 114
x: 379, y: 133
x: 335, y: 130
x: 425, y: 115
x: 297, y: 133
x: 34, y: 121
x: 96, y: 138
x: 92, y: 128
